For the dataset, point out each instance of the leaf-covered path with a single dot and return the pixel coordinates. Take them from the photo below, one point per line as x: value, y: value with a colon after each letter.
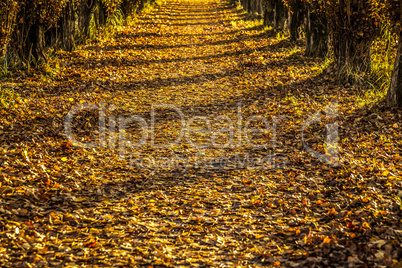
x: 196, y: 202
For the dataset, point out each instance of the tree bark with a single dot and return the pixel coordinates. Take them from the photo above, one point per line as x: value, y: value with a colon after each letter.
x: 269, y: 13
x: 28, y: 44
x: 253, y: 6
x: 101, y: 13
x: 249, y: 6
x: 353, y: 55
x: 68, y: 27
x: 280, y: 15
x: 260, y: 9
x: 127, y: 7
x: 62, y: 34
x: 296, y: 20
x: 84, y: 18
x: 8, y: 15
x: 36, y: 46
x: 352, y: 39
x: 317, y: 37
x: 394, y: 94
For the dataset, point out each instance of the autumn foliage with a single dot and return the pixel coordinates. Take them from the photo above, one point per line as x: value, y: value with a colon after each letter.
x: 251, y: 194
x: 29, y: 27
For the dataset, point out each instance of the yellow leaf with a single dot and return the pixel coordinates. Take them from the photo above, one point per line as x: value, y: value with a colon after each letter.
x: 94, y: 231
x: 327, y: 240
x: 258, y: 236
x: 71, y: 99
x: 64, y: 159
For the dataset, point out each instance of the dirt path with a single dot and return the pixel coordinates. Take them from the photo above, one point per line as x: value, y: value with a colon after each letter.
x: 221, y: 195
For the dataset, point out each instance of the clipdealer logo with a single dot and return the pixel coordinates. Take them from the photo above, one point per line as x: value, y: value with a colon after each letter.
x: 116, y: 135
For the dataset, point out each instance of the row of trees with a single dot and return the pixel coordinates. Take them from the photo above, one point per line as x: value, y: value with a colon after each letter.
x: 28, y: 27
x: 346, y: 28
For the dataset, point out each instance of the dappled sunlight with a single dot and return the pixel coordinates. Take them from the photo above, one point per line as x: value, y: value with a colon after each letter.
x: 226, y: 114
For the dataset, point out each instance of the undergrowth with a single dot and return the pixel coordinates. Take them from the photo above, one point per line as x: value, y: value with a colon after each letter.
x: 383, y: 56
x: 8, y: 97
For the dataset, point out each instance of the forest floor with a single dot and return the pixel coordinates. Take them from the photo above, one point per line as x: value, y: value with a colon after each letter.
x: 222, y: 195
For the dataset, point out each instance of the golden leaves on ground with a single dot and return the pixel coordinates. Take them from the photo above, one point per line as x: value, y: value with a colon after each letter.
x: 62, y: 205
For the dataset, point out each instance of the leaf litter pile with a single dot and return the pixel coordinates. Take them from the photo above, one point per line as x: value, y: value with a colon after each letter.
x: 238, y: 189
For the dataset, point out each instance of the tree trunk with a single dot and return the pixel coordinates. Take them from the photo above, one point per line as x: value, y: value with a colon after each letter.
x: 394, y: 94
x: 243, y: 4
x: 52, y: 36
x: 68, y: 27
x: 280, y: 15
x: 260, y: 9
x: 100, y: 13
x: 352, y: 55
x: 269, y: 14
x: 351, y: 39
x: 27, y: 44
x: 62, y: 34
x: 317, y: 37
x: 35, y: 49
x: 127, y: 7
x: 296, y: 20
x: 84, y: 18
x: 248, y: 5
x: 255, y: 6
x: 8, y: 15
